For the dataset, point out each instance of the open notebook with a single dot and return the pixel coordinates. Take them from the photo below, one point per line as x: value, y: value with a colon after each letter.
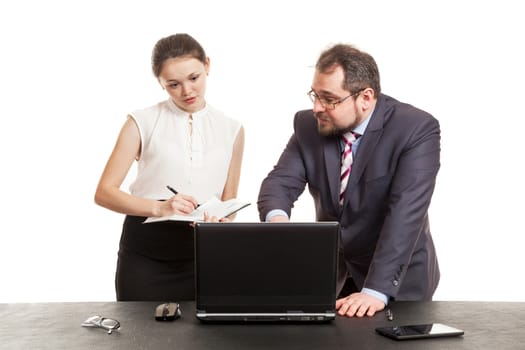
x: 214, y: 207
x: 266, y: 271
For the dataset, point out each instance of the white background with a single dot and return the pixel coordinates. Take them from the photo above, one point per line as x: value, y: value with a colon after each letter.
x: 70, y: 72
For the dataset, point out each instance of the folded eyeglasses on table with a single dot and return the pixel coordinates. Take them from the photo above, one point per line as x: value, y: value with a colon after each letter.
x: 108, y: 324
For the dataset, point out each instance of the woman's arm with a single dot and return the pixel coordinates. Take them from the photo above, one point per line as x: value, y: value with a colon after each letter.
x: 109, y: 194
x: 234, y: 173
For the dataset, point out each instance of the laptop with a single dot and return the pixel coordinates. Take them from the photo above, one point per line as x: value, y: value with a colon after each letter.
x: 266, y: 271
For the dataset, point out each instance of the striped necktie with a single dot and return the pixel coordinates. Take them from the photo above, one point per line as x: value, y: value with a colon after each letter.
x: 346, y: 162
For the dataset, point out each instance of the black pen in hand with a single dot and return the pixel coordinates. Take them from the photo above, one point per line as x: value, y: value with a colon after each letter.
x: 172, y: 189
x: 176, y: 192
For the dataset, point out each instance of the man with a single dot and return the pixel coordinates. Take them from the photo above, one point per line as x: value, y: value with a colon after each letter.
x: 378, y: 183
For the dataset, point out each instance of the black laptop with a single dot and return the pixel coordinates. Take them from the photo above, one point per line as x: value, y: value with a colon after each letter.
x: 266, y: 271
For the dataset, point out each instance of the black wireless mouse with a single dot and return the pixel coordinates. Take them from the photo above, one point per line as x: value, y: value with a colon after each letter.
x: 167, y: 312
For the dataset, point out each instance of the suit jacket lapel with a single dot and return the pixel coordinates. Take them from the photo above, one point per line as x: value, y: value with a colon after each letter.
x: 332, y: 167
x: 367, y: 144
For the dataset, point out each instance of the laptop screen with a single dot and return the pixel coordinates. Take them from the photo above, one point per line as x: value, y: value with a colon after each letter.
x: 266, y: 267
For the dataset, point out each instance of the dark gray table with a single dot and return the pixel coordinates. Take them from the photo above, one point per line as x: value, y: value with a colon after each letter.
x: 487, y: 325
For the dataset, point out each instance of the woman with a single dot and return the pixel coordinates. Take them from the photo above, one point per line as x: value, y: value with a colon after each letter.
x: 183, y: 143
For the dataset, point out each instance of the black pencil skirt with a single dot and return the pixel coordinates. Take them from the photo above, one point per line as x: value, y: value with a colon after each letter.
x: 155, y: 261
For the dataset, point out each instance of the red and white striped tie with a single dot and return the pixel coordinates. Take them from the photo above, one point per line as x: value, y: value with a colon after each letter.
x: 346, y: 162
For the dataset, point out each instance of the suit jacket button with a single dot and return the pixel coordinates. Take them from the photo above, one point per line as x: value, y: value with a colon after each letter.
x: 395, y: 283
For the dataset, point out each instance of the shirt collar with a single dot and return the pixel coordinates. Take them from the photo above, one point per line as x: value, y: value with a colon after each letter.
x: 179, y: 112
x: 361, y: 128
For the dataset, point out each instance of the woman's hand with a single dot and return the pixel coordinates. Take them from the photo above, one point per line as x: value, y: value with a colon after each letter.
x: 179, y: 204
x: 207, y: 218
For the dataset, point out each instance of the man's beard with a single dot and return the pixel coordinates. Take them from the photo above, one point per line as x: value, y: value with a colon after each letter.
x: 331, y: 130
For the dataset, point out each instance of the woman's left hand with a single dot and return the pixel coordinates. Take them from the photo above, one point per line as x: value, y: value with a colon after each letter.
x: 207, y: 218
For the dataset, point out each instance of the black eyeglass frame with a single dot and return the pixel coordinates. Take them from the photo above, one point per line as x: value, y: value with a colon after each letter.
x: 330, y: 105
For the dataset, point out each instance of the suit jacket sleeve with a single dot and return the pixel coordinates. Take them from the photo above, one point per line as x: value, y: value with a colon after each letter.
x: 286, y: 182
x: 404, y: 240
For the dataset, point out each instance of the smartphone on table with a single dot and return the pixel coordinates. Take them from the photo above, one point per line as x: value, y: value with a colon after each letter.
x: 419, y: 331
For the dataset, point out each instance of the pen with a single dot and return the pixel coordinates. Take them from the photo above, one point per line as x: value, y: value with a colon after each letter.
x: 389, y: 314
x: 172, y: 189
x: 175, y: 192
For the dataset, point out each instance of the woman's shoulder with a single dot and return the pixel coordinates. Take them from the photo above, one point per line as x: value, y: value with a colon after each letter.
x: 152, y: 109
x: 148, y: 116
x: 219, y: 115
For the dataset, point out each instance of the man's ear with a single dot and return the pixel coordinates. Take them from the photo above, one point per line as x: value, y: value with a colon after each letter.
x: 368, y: 97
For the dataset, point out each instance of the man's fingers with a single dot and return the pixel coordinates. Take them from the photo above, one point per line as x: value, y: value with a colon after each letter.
x: 358, y: 304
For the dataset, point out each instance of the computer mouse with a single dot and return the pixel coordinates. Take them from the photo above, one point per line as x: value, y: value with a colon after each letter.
x: 167, y: 312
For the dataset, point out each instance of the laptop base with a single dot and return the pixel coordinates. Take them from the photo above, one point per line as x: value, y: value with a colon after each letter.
x: 268, y: 317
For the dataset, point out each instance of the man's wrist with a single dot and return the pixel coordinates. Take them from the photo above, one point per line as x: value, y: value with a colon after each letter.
x: 376, y: 294
x: 275, y: 212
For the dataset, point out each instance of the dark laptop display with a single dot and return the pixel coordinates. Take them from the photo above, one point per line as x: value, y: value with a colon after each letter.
x: 266, y: 271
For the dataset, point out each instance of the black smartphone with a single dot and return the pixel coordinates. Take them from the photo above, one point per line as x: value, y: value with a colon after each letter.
x: 418, y: 331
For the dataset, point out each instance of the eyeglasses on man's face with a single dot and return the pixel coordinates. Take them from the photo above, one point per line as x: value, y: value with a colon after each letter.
x: 328, y: 102
x: 108, y: 324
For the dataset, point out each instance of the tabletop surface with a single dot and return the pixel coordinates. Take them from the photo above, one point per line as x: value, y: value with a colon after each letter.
x: 487, y: 325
